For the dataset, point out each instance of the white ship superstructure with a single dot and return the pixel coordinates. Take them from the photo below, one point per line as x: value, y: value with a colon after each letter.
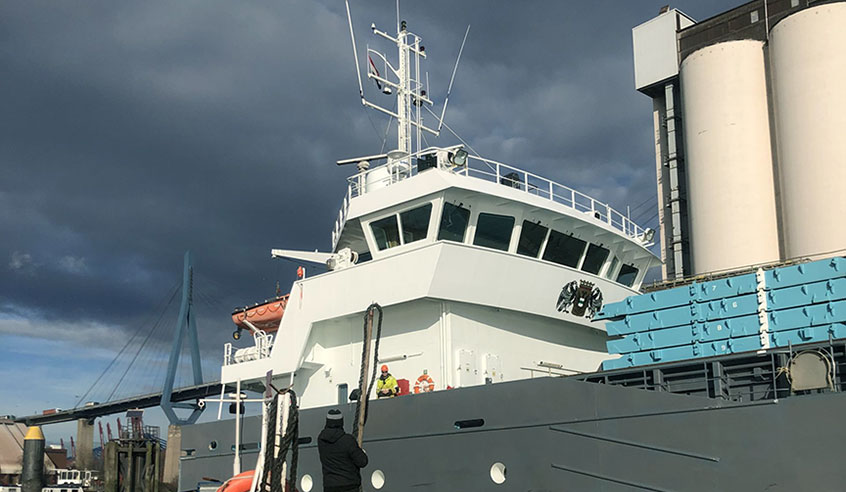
x: 486, y: 272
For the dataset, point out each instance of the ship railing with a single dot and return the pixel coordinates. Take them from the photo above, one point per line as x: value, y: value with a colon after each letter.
x: 341, y: 220
x: 495, y: 172
x: 261, y: 350
x: 263, y: 345
x: 227, y: 354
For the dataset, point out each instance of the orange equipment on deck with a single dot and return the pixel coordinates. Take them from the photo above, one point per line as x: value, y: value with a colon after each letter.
x: 239, y: 483
x: 264, y: 316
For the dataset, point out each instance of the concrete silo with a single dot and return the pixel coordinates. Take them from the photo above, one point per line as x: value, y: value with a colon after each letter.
x: 731, y: 194
x: 808, y: 70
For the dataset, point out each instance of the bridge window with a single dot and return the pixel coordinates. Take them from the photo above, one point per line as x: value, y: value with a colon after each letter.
x: 627, y: 275
x: 531, y: 239
x: 595, y: 258
x: 453, y: 222
x: 415, y: 223
x: 386, y: 232
x: 494, y: 231
x: 564, y: 249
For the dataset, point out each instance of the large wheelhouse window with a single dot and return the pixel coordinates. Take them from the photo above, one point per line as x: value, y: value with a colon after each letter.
x: 594, y: 259
x: 494, y: 231
x: 386, y: 232
x: 453, y: 223
x: 627, y: 275
x: 415, y: 223
x: 564, y: 249
x: 531, y: 239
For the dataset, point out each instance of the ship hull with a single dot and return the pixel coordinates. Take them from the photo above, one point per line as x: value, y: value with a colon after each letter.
x: 564, y: 434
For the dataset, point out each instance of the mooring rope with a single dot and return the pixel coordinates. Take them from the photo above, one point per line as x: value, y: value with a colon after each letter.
x: 365, y: 395
x: 275, y: 457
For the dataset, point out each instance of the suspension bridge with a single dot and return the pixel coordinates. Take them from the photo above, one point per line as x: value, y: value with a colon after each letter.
x: 158, y: 366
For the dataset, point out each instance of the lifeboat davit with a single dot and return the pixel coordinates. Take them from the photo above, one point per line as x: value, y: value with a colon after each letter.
x: 265, y: 316
x: 239, y: 483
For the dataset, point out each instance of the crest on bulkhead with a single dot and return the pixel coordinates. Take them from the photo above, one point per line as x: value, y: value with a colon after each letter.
x: 579, y: 298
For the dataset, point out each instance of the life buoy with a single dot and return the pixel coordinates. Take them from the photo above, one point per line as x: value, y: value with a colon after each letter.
x: 424, y: 384
x: 238, y: 483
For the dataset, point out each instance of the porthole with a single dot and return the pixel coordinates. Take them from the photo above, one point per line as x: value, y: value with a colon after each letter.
x: 212, y: 445
x: 377, y: 479
x: 498, y: 473
x: 306, y: 483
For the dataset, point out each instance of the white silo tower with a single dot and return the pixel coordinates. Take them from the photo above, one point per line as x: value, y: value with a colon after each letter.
x: 731, y: 194
x: 808, y: 70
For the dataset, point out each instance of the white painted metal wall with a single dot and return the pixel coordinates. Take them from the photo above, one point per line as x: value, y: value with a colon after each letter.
x: 727, y: 134
x: 458, y: 345
x: 808, y: 67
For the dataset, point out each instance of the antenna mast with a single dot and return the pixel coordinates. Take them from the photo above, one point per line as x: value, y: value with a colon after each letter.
x: 409, y: 84
x: 406, y: 81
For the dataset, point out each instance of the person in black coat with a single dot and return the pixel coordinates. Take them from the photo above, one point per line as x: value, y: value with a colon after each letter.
x: 340, y: 455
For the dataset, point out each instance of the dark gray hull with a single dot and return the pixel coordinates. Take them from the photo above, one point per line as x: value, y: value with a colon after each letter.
x: 566, y: 434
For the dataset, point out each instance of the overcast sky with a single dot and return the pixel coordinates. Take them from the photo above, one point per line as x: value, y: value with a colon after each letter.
x: 132, y: 132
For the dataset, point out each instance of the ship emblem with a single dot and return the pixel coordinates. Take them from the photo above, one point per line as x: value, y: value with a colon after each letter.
x: 580, y: 297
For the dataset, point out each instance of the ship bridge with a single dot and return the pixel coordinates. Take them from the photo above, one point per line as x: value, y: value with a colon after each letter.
x: 448, y: 195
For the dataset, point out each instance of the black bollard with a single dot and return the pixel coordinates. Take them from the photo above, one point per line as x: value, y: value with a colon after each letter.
x: 32, y: 479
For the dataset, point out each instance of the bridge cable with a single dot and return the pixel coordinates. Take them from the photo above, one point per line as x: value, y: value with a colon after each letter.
x: 654, y: 216
x: 149, y: 358
x: 143, y: 344
x: 645, y: 212
x: 122, y: 350
x: 648, y: 200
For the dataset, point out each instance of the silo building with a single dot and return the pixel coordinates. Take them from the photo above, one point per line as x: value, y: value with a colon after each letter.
x: 749, y: 111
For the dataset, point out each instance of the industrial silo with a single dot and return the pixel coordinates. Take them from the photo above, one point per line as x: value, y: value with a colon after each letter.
x: 808, y: 69
x: 731, y: 197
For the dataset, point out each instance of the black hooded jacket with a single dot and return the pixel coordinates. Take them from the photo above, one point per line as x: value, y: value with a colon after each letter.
x: 341, y: 458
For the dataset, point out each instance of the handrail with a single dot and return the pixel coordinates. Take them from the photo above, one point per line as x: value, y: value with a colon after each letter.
x: 497, y: 172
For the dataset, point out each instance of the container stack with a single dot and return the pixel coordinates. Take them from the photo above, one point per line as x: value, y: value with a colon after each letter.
x: 757, y: 311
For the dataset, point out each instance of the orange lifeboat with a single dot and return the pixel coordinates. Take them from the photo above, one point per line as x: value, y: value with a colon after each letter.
x: 239, y: 483
x: 265, y: 316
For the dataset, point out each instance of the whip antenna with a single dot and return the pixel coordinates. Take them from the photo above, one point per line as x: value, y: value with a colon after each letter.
x: 452, y: 79
x: 355, y: 53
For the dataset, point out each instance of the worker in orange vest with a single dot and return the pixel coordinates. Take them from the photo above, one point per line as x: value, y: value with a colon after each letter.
x: 386, y: 385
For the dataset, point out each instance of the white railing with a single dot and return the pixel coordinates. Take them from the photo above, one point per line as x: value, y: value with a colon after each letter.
x: 341, y: 220
x: 261, y: 350
x: 496, y: 172
x: 227, y: 353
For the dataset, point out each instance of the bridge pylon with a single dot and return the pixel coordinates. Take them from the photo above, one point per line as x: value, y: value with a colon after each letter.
x: 186, y: 326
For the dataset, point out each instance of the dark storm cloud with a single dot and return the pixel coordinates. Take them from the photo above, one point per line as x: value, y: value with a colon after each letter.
x: 132, y: 132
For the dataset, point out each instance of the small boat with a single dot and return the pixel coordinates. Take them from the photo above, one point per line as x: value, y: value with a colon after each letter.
x: 264, y: 316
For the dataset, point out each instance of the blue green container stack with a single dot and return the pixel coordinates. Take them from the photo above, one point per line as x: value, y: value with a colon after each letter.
x: 780, y: 307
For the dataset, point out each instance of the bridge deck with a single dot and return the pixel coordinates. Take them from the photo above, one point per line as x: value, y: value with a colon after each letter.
x: 141, y: 401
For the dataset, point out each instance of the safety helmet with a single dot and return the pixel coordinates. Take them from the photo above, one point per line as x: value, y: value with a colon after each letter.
x: 384, y: 368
